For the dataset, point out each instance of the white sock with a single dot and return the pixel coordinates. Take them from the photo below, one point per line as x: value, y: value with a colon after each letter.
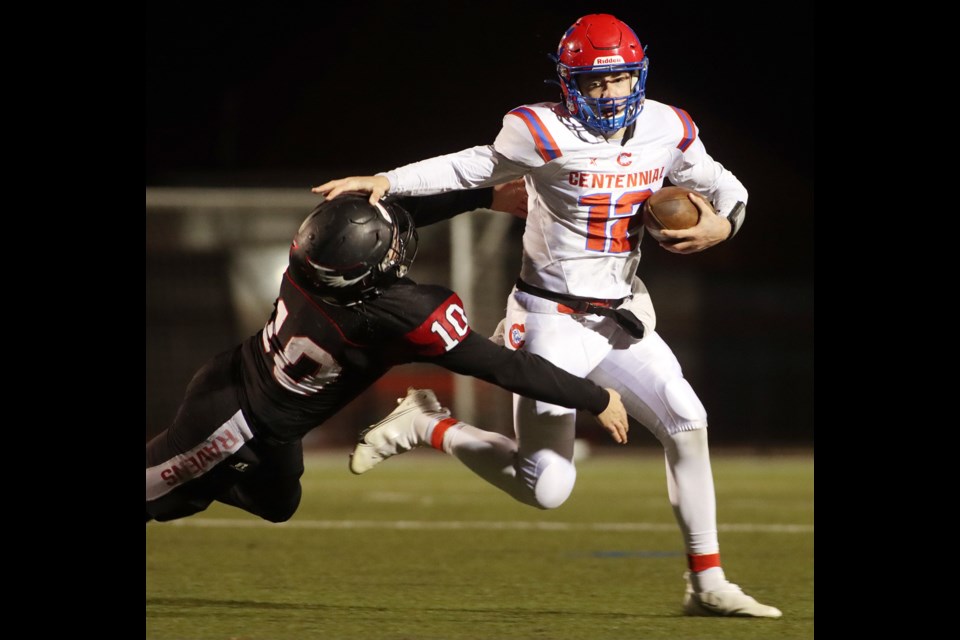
x: 490, y: 455
x: 708, y: 580
x: 690, y: 487
x: 691, y: 491
x: 435, y: 427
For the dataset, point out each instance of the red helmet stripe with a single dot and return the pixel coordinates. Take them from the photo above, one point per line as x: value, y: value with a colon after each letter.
x: 547, y: 147
x: 689, y: 131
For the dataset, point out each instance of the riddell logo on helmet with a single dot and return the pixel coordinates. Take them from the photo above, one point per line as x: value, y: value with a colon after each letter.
x: 608, y: 60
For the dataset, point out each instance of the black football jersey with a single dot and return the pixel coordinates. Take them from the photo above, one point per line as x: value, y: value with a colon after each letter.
x: 312, y: 357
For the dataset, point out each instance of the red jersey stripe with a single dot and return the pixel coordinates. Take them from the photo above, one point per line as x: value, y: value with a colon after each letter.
x: 689, y: 131
x: 547, y: 147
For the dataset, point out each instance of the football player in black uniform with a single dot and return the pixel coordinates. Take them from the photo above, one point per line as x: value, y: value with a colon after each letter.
x: 345, y: 315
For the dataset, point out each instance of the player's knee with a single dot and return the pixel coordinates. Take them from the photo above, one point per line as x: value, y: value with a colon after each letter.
x: 554, y: 476
x: 282, y: 510
x: 176, y: 506
x: 277, y: 514
x: 694, y: 440
x: 687, y: 445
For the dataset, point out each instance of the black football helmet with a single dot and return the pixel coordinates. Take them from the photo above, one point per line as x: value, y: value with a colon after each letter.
x: 348, y: 250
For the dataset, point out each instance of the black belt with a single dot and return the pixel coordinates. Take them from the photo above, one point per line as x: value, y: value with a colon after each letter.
x: 607, y: 308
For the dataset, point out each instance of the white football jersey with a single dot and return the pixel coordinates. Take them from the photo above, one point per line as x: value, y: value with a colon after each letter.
x: 583, y: 225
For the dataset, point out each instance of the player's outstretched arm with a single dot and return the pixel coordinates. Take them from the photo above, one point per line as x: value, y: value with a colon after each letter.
x: 710, y: 230
x: 376, y: 186
x: 534, y: 377
x: 614, y: 418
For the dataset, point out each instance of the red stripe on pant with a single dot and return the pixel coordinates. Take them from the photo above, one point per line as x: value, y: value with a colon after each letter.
x: 436, y: 438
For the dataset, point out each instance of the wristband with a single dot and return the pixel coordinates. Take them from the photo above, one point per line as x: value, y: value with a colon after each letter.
x: 736, y: 216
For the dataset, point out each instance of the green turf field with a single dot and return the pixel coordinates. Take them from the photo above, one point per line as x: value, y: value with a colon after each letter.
x: 420, y: 548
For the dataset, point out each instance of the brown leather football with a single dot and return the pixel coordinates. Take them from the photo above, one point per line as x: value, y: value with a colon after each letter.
x: 669, y: 208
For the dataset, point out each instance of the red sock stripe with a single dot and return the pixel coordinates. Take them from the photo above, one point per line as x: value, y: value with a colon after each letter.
x: 436, y: 438
x: 703, y: 562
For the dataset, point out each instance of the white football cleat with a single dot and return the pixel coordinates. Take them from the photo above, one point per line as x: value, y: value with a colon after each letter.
x: 728, y: 600
x: 397, y: 433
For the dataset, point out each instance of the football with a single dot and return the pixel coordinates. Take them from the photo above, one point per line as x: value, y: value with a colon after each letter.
x: 669, y: 208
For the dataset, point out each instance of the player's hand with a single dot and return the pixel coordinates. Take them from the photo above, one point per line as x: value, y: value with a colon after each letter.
x: 511, y: 197
x: 710, y: 230
x: 498, y: 334
x: 614, y: 418
x: 376, y: 186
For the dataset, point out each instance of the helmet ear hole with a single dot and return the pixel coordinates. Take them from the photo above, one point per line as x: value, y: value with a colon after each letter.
x: 348, y: 251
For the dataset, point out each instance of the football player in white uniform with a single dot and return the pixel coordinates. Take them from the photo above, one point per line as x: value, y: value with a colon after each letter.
x: 589, y: 162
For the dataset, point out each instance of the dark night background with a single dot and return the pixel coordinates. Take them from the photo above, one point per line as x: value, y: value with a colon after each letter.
x: 291, y: 97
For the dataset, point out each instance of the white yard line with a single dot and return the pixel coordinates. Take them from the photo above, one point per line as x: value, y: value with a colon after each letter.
x: 427, y: 525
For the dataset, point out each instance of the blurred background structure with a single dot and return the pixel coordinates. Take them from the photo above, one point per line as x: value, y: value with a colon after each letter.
x: 248, y: 107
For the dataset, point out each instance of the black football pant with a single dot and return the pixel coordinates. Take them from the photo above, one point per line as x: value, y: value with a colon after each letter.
x: 209, y: 453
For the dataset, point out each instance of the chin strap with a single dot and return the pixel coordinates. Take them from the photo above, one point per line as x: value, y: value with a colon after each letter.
x: 736, y: 216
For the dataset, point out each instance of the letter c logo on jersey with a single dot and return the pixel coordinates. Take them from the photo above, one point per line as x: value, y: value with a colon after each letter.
x: 515, y: 335
x: 625, y: 159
